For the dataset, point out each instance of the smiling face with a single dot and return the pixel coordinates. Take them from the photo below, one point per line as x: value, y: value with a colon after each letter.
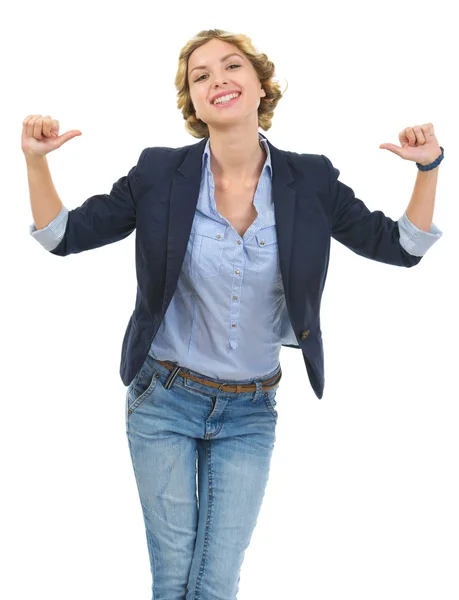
x: 216, y: 75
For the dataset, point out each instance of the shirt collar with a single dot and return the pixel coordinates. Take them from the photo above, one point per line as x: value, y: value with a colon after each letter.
x: 267, y: 166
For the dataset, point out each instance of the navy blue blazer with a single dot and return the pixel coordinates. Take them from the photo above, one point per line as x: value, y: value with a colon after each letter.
x: 158, y: 198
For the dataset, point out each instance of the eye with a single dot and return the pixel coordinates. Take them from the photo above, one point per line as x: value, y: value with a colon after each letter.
x: 205, y: 75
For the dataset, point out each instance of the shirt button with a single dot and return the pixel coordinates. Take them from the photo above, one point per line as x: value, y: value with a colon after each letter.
x: 234, y: 297
x: 234, y: 324
x: 239, y: 241
x: 262, y: 243
x: 218, y: 236
x: 237, y: 271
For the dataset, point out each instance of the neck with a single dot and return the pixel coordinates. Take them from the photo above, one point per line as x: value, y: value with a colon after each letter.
x: 236, y: 158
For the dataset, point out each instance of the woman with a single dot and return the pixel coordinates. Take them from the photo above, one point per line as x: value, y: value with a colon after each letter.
x: 232, y: 247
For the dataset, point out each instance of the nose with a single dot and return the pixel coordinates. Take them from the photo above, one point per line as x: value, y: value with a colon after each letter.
x: 219, y: 81
x: 218, y: 87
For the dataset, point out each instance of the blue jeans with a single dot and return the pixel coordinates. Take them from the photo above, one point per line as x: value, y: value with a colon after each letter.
x: 201, y: 459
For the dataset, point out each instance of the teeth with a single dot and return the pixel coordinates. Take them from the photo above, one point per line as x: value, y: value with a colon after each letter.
x: 224, y: 99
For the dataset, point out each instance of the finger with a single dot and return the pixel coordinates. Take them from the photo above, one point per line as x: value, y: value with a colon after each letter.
x: 393, y: 148
x: 428, y: 129
x: 55, y: 128
x: 411, y: 136
x: 27, y: 123
x: 403, y: 138
x: 37, y: 128
x: 68, y: 135
x: 31, y: 125
x: 27, y: 119
x: 47, y: 124
x: 419, y: 135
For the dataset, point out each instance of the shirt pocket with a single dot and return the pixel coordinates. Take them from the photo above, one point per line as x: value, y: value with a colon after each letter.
x: 207, y: 253
x: 268, y: 254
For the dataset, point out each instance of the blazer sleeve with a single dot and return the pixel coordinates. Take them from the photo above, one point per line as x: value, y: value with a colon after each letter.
x: 104, y: 218
x: 368, y: 233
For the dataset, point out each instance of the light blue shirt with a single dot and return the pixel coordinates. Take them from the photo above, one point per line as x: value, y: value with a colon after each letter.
x: 228, y: 317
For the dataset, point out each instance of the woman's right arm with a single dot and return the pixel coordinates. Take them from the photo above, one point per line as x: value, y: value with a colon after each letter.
x: 101, y: 219
x: 40, y: 135
x: 44, y: 200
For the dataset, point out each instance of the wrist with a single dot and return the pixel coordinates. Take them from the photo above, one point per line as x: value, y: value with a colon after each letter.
x: 34, y: 159
x: 432, y: 164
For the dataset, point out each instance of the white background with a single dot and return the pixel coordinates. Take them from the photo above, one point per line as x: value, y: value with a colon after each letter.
x: 362, y: 497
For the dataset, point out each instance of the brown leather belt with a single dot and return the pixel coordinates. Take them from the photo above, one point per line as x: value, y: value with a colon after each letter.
x: 267, y: 384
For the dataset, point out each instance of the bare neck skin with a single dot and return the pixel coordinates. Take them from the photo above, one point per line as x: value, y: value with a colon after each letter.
x: 236, y: 161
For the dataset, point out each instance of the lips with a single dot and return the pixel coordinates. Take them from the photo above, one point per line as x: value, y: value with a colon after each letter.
x: 224, y: 94
x: 225, y: 104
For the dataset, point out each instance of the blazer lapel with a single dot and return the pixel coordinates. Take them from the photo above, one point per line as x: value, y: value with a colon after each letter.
x: 184, y: 198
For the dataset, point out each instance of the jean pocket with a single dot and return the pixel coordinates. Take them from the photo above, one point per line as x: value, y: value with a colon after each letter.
x: 270, y: 401
x: 207, y: 253
x: 268, y: 268
x: 141, y: 386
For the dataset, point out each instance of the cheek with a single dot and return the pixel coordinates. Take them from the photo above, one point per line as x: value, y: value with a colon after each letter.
x: 200, y: 99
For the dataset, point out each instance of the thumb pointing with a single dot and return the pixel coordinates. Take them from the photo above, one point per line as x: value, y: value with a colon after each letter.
x: 390, y: 147
x: 65, y: 137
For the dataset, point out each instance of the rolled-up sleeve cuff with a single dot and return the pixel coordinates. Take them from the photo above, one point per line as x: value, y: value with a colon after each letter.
x: 51, y: 235
x: 414, y: 240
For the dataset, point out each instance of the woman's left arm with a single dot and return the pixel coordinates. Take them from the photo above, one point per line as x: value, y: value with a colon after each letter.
x: 421, y: 207
x: 420, y: 144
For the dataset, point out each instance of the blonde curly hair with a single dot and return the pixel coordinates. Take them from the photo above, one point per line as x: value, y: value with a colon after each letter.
x: 264, y: 68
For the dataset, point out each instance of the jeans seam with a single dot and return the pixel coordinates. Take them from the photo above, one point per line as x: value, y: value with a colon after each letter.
x: 208, y: 520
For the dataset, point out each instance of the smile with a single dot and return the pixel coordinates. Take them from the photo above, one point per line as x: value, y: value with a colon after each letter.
x: 224, y: 104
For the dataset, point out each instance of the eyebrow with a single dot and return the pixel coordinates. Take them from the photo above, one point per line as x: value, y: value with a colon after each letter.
x: 222, y: 59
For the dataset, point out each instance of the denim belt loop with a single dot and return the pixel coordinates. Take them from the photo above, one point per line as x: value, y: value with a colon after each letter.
x: 259, y: 391
x: 171, y: 377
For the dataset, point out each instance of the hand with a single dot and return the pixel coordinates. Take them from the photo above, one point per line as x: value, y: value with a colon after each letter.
x: 418, y: 143
x: 40, y: 135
